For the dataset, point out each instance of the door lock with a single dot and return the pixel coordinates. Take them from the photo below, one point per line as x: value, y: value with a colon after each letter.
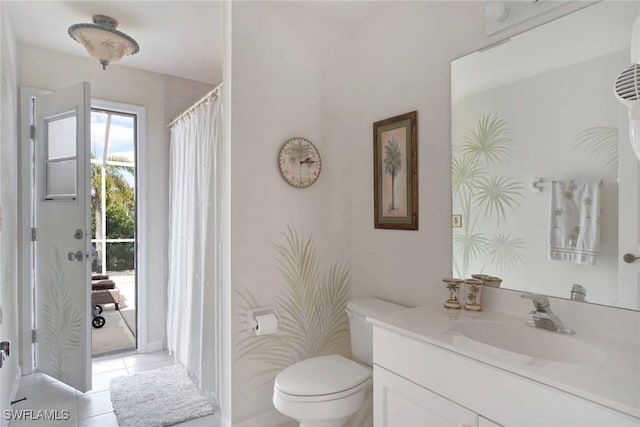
x: 76, y: 256
x: 78, y: 234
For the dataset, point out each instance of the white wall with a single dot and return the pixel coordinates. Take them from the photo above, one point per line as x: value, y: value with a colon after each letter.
x: 307, y: 69
x: 282, y: 55
x: 327, y: 71
x: 403, y: 56
x: 8, y: 215
x: 164, y: 97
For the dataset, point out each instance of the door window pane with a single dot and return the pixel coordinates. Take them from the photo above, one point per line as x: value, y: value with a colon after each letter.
x: 61, y: 178
x: 60, y: 159
x: 61, y: 138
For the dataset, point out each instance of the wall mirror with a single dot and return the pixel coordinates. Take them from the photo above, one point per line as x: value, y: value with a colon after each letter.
x: 539, y: 108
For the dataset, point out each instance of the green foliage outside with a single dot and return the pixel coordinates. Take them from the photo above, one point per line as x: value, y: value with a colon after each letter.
x: 120, y: 214
x: 120, y: 225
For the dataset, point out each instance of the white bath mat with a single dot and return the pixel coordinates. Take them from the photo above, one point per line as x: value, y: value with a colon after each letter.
x: 157, y: 398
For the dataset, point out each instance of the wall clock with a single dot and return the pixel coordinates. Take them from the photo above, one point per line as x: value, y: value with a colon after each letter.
x: 299, y: 162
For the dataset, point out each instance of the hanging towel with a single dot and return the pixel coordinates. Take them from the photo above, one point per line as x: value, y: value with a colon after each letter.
x: 574, y: 229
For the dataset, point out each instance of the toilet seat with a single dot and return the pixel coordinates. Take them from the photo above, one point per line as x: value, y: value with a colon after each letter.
x: 322, y: 378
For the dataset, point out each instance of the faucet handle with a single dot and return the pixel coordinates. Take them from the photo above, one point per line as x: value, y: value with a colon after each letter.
x: 540, y: 302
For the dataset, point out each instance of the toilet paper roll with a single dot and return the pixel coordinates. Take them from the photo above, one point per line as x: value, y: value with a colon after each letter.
x: 267, y: 324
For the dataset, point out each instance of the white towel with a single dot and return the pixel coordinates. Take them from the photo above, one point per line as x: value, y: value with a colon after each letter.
x: 574, y: 230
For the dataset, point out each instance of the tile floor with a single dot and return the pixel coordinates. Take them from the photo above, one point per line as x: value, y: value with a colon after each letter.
x: 91, y: 409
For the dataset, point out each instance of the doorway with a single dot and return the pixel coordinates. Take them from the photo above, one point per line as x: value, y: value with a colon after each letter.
x: 27, y: 222
x: 113, y: 228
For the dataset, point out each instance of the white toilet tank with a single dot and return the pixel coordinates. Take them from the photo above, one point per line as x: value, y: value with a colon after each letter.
x: 361, y: 330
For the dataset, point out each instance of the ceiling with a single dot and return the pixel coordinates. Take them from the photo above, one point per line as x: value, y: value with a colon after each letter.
x: 178, y: 38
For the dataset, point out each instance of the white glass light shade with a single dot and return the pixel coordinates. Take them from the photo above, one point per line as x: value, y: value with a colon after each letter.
x: 103, y: 41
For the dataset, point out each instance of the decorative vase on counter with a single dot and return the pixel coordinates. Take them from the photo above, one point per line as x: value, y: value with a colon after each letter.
x: 472, y: 291
x: 487, y: 280
x: 453, y: 286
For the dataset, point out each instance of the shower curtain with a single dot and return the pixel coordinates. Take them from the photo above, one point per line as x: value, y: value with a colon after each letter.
x: 193, y: 235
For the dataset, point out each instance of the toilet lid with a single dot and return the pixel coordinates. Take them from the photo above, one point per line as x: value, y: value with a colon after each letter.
x: 321, y: 375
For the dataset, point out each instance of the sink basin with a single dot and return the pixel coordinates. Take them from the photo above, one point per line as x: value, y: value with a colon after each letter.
x: 528, y: 341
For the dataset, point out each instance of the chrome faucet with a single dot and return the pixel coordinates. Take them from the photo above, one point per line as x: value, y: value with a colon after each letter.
x: 543, y: 317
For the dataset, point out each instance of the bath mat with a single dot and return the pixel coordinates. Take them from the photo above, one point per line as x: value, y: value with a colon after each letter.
x: 157, y: 398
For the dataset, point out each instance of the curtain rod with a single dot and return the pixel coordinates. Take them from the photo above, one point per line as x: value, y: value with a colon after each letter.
x: 213, y: 93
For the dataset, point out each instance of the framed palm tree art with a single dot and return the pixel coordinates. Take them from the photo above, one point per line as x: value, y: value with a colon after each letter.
x: 395, y: 172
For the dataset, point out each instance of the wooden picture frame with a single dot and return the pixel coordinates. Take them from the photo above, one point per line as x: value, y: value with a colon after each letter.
x: 395, y: 172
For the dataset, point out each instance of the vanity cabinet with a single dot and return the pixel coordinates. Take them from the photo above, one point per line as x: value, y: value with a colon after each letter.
x: 417, y: 382
x: 399, y: 402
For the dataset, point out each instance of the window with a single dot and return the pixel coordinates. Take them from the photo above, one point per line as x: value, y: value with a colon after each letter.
x: 113, y: 194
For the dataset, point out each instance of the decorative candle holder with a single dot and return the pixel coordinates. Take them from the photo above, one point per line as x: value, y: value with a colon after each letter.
x: 453, y: 285
x: 472, y: 291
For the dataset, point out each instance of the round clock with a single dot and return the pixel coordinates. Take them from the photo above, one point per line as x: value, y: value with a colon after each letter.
x: 299, y: 162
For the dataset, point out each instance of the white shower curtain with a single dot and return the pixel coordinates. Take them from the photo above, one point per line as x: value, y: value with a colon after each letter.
x: 193, y: 261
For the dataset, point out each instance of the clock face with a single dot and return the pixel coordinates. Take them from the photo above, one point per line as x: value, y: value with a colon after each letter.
x: 299, y: 162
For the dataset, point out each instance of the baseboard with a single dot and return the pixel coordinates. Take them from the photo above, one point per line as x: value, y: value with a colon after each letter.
x: 267, y: 419
x: 151, y: 347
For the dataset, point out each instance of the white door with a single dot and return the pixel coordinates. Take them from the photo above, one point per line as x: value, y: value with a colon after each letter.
x: 62, y: 245
x: 628, y: 210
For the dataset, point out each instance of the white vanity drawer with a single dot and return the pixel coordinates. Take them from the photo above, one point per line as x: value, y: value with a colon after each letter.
x: 505, y: 398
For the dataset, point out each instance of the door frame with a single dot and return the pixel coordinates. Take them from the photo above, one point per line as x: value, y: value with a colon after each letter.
x: 25, y: 222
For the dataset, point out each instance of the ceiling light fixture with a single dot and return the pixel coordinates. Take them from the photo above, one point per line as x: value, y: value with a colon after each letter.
x: 103, y: 41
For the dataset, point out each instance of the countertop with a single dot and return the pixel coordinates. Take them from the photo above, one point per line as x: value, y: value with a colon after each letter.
x: 613, y: 380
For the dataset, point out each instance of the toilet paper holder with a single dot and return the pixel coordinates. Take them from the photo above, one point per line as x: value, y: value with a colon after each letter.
x: 251, y: 317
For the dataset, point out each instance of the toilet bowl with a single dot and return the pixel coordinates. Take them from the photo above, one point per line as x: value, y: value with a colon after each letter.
x: 322, y: 391
x: 325, y: 391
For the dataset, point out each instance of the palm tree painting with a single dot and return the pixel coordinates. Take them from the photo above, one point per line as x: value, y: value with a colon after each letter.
x: 393, y: 163
x: 480, y: 193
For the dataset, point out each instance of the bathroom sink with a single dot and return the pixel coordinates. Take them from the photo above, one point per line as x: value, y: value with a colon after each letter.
x: 529, y: 341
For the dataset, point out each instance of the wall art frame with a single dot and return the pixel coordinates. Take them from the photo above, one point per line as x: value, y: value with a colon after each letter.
x: 395, y: 172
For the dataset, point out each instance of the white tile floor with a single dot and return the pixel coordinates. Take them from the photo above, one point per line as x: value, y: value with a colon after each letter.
x: 91, y: 409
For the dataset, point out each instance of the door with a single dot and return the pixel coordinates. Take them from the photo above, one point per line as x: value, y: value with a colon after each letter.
x: 62, y: 243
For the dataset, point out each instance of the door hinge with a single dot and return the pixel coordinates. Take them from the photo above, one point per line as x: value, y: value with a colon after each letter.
x: 32, y: 131
x: 33, y: 336
x: 33, y: 234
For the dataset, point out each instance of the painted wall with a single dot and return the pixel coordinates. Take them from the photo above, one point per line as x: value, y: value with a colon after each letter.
x: 282, y: 57
x: 336, y: 73
x: 544, y: 132
x: 164, y: 97
x: 8, y: 215
x: 327, y: 71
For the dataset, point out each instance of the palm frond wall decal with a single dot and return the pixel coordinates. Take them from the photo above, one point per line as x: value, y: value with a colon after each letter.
x: 495, y: 194
x: 601, y: 142
x: 489, y: 142
x: 504, y: 251
x: 477, y: 192
x: 312, y: 309
x: 60, y: 319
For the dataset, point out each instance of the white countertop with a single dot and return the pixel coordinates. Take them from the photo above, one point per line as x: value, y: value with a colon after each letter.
x: 613, y: 381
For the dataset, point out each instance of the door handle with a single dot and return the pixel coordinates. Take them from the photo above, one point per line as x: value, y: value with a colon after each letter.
x: 630, y: 258
x: 76, y: 256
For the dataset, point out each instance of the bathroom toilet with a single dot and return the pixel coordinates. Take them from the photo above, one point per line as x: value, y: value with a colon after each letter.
x: 325, y: 391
